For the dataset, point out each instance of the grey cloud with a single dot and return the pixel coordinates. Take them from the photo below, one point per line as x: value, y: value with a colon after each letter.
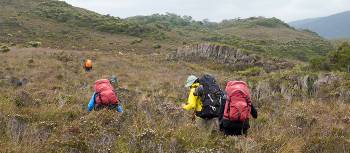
x: 217, y: 10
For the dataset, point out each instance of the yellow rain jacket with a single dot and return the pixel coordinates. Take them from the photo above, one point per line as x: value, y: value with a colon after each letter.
x: 193, y: 102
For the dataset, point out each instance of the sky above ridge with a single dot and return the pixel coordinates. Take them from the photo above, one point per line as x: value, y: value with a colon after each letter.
x: 217, y: 10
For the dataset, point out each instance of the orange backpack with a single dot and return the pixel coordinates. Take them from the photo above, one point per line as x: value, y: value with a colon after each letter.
x: 88, y: 64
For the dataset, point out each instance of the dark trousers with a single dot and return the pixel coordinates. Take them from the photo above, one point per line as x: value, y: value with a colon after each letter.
x: 88, y: 69
x: 234, y: 128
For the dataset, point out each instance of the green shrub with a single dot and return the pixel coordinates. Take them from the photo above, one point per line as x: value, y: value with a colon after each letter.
x: 62, y: 12
x: 164, y: 21
x: 4, y: 48
x: 24, y: 99
x: 340, y: 59
x: 34, y: 44
x: 253, y: 71
x: 138, y: 40
x: 156, y: 46
x: 320, y: 63
x: 271, y: 22
x: 336, y: 60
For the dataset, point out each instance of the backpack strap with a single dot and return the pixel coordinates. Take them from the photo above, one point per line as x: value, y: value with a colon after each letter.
x: 247, y: 99
x: 194, y: 112
x: 98, y: 94
x: 211, y: 99
x: 228, y: 104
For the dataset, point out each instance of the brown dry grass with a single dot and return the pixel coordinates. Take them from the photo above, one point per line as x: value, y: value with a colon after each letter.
x: 151, y: 90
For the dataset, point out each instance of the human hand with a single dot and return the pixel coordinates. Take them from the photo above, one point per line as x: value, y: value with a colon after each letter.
x: 120, y: 109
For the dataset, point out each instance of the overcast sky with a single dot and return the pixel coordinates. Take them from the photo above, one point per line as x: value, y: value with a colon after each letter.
x: 217, y: 10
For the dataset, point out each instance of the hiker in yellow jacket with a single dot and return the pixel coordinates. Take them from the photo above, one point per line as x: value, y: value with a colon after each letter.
x: 194, y: 102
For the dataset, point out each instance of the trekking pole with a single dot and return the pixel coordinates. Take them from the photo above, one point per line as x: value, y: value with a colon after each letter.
x: 193, y: 118
x: 194, y: 114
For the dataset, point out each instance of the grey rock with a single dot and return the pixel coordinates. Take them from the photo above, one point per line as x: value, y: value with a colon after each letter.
x: 230, y: 56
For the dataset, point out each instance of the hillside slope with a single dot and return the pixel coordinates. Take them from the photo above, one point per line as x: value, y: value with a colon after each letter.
x: 272, y: 37
x: 60, y: 25
x: 44, y: 94
x: 264, y: 36
x: 334, y: 26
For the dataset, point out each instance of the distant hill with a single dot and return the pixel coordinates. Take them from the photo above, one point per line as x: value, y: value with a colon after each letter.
x: 273, y: 37
x: 264, y: 36
x: 334, y: 26
x: 61, y: 25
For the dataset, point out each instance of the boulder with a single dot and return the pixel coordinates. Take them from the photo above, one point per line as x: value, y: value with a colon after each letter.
x: 18, y: 82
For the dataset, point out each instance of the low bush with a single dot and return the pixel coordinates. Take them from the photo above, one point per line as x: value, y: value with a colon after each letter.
x: 139, y: 40
x: 335, y: 60
x: 62, y: 12
x: 156, y: 46
x: 34, y: 44
x: 4, y: 48
x: 253, y: 71
x: 24, y: 99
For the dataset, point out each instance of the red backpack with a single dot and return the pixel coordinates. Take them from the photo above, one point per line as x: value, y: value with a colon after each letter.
x: 105, y: 94
x: 238, y: 104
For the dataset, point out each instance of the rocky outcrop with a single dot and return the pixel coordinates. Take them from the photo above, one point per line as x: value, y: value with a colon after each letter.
x: 298, y: 87
x: 232, y: 57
